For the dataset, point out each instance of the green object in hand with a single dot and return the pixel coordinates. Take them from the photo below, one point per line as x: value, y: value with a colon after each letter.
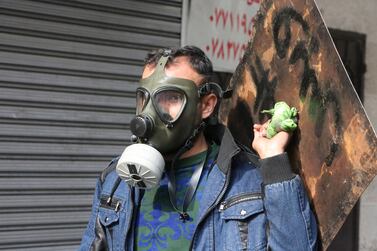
x: 284, y: 118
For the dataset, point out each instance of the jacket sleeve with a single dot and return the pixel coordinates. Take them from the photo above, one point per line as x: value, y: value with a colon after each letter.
x: 94, y: 236
x: 291, y: 223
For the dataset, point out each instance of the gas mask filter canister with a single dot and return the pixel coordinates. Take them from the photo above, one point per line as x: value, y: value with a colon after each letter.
x: 141, y: 165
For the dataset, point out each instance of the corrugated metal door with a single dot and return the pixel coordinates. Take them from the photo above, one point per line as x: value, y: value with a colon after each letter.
x: 67, y: 81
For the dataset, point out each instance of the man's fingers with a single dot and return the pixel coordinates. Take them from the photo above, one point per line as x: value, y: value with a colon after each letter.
x: 259, y: 131
x: 257, y: 126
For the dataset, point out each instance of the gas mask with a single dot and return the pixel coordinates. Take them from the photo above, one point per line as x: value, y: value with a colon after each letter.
x: 167, y: 116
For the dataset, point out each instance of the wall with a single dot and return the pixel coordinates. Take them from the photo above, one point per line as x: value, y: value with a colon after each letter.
x: 359, y: 16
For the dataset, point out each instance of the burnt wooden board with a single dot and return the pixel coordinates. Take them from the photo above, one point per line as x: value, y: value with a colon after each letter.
x: 292, y: 58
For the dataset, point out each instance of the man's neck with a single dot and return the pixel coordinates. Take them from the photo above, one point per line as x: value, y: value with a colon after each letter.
x: 200, y: 145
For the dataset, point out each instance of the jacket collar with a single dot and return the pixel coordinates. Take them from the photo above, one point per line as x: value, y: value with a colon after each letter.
x: 228, y: 146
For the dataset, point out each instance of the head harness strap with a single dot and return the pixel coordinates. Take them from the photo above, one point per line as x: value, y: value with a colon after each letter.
x: 214, y: 88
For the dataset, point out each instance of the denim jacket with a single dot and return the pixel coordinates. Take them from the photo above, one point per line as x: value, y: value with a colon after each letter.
x: 247, y: 204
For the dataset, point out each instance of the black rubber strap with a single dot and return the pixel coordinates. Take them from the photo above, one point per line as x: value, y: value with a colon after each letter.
x: 192, y: 185
x: 113, y: 189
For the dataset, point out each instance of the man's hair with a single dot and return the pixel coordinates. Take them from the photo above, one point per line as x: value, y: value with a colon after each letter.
x: 197, y: 58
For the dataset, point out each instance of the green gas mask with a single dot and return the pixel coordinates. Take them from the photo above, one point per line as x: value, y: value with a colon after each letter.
x: 167, y: 121
x: 166, y: 110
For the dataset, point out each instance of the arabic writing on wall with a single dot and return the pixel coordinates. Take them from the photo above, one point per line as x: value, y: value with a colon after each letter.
x: 237, y: 23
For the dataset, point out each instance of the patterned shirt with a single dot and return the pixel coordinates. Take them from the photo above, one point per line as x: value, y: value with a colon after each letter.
x: 158, y: 226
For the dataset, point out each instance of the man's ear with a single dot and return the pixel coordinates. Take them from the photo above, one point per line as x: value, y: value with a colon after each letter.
x: 208, y: 104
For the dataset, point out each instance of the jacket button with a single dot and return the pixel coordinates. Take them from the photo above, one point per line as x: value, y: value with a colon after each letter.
x: 106, y: 219
x: 243, y: 212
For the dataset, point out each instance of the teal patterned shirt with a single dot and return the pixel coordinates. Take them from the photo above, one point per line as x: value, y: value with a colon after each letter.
x: 158, y: 226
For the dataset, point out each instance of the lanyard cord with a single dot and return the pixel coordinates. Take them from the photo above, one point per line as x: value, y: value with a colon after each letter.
x: 190, y: 190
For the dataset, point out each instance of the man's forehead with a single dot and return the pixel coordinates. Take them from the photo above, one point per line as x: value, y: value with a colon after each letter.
x: 179, y: 67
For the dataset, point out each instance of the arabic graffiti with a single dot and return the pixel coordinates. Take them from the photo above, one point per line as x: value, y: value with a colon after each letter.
x: 322, y: 101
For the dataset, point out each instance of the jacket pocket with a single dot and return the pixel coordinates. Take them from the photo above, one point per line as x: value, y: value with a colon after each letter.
x: 108, y: 219
x: 239, y: 206
x: 244, y: 222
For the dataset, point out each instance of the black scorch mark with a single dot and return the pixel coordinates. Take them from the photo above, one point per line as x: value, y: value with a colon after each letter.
x: 324, y: 101
x: 265, y: 98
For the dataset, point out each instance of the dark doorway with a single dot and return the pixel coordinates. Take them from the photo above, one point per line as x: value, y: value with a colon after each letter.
x: 351, y: 48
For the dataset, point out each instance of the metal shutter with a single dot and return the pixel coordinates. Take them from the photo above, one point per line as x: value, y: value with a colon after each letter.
x: 68, y: 72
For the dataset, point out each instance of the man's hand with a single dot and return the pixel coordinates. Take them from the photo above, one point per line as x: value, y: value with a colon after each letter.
x: 269, y: 147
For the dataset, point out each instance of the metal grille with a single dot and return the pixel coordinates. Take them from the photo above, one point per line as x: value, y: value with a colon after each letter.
x: 68, y: 72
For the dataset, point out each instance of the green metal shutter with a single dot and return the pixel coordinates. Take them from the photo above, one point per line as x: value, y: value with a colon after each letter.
x: 68, y: 72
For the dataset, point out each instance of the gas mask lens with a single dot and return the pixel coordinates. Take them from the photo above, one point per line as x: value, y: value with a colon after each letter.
x: 169, y: 104
x: 142, y: 98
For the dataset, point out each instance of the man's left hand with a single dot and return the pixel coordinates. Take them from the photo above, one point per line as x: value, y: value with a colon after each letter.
x: 269, y: 147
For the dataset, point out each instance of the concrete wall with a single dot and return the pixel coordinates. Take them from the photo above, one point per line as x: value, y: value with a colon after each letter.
x: 360, y: 16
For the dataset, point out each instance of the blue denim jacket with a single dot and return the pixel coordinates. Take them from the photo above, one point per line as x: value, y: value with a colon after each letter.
x: 247, y: 204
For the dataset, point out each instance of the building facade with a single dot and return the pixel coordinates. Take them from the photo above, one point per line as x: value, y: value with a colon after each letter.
x: 68, y: 73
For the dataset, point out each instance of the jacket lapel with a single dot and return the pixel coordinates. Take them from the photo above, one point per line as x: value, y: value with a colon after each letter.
x: 217, y: 178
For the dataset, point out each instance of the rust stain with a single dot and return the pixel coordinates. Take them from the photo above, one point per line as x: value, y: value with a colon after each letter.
x: 268, y: 55
x: 306, y: 13
x: 247, y: 92
x: 360, y: 153
x: 317, y: 64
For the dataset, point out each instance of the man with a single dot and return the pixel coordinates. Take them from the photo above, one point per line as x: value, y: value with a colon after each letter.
x: 214, y: 194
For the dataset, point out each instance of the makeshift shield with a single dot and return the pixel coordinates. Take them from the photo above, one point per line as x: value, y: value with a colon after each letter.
x: 292, y: 58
